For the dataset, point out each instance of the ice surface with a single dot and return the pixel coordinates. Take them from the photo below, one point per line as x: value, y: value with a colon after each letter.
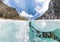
x: 14, y: 31
x: 45, y: 26
x: 20, y: 31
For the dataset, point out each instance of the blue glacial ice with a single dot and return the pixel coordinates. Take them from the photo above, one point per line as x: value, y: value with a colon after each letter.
x: 45, y: 26
x: 57, y: 31
x: 31, y: 9
x: 14, y: 31
x: 20, y: 31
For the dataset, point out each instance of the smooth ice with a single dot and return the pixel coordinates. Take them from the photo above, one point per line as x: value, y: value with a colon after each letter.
x: 46, y: 26
x: 14, y: 31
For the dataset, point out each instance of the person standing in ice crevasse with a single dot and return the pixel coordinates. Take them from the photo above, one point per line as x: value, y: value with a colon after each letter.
x: 31, y: 9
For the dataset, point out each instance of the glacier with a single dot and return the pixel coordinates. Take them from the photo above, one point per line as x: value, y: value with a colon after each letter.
x: 31, y: 9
